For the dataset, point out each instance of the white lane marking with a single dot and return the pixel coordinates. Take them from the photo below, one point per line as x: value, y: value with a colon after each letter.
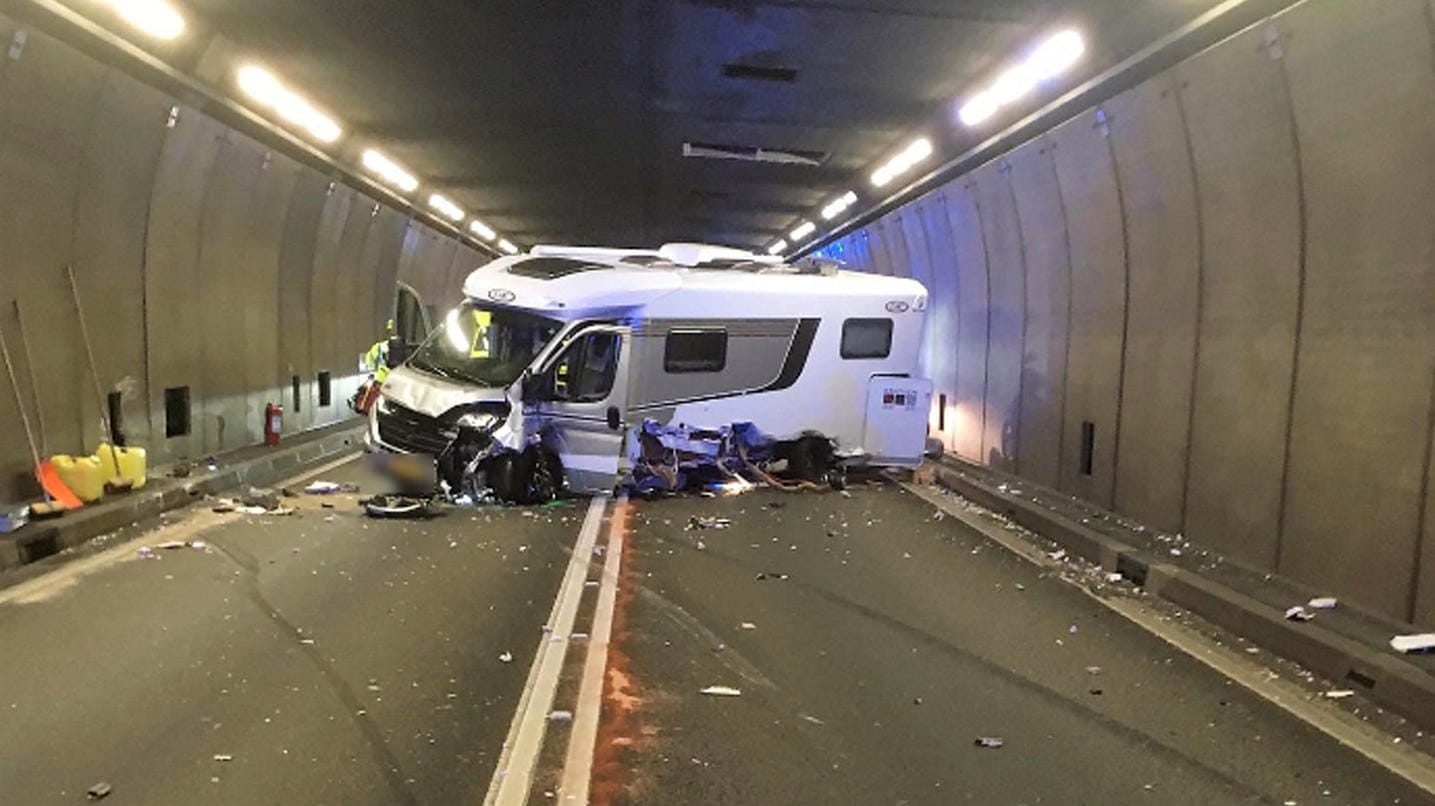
x: 583, y: 740
x: 513, y: 776
x: 1340, y: 725
x: 47, y: 586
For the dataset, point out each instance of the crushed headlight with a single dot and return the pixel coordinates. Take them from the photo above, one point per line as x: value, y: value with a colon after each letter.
x: 479, y: 421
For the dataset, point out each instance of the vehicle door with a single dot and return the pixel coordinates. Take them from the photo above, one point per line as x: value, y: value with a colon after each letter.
x: 582, y: 406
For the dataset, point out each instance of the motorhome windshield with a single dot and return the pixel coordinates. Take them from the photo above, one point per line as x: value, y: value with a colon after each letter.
x: 482, y: 345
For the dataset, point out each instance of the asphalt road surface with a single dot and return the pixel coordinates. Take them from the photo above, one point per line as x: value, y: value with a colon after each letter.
x: 328, y: 658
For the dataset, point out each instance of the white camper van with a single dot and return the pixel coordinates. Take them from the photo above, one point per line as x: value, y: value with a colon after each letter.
x: 543, y: 377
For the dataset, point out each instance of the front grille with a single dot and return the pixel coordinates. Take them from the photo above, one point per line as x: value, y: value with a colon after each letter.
x: 412, y: 431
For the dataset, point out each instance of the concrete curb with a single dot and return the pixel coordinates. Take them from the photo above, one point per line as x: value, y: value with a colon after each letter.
x: 1383, y: 676
x: 40, y: 540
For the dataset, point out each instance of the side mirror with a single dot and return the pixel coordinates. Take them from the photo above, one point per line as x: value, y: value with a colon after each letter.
x: 615, y: 418
x: 398, y: 352
x: 534, y: 388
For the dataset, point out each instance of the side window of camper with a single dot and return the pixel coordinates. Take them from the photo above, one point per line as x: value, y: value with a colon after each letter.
x: 866, y: 338
x: 695, y: 351
x: 584, y: 374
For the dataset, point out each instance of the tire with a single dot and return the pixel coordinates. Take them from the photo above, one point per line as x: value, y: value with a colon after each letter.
x: 531, y: 477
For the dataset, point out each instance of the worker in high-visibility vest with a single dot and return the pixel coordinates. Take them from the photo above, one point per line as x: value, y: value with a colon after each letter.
x: 376, y: 360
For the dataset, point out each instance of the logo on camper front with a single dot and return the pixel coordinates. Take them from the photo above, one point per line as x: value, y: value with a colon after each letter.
x: 897, y: 306
x: 500, y: 295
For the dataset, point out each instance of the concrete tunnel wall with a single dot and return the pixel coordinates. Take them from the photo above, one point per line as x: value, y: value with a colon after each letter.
x: 204, y: 259
x: 1228, y: 272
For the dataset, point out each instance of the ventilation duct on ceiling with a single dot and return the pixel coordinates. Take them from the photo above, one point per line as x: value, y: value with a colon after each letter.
x: 752, y: 72
x: 777, y: 156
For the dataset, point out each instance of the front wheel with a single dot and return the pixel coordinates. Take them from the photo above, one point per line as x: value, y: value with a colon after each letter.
x: 530, y: 477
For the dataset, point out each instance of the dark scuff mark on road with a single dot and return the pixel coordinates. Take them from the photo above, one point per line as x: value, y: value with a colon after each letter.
x: 383, y: 756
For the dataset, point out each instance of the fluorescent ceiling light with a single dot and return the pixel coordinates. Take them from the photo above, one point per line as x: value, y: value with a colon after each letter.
x: 777, y: 248
x: 1056, y: 54
x: 388, y: 171
x: 266, y: 90
x: 446, y: 208
x: 1013, y: 84
x: 978, y: 109
x: 155, y: 18
x: 919, y: 150
x: 482, y: 230
x: 802, y: 230
x: 839, y: 205
x: 1050, y: 59
x: 507, y: 246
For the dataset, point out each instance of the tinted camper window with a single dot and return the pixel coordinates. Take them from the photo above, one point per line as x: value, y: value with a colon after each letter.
x: 695, y: 351
x: 866, y: 338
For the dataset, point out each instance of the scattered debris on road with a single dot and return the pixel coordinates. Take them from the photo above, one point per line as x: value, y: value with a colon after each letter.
x: 1338, y: 694
x: 1298, y: 613
x: 506, y: 657
x: 561, y: 716
x: 1056, y: 556
x: 748, y: 625
x: 223, y: 757
x: 762, y: 575
x: 99, y: 791
x: 330, y: 487
x: 988, y: 742
x: 721, y: 691
x: 1322, y: 603
x: 812, y: 719
x: 701, y: 522
x: 1416, y: 642
x: 396, y: 506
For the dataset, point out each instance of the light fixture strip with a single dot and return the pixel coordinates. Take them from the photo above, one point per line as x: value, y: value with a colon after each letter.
x: 388, y: 171
x: 267, y: 91
x: 1050, y: 59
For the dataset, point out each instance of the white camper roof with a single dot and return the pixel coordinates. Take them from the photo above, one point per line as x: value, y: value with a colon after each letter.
x: 573, y: 285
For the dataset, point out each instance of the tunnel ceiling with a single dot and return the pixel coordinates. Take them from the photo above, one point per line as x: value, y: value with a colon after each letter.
x: 564, y: 122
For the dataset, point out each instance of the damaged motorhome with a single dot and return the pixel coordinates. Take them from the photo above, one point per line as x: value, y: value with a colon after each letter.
x: 558, y: 362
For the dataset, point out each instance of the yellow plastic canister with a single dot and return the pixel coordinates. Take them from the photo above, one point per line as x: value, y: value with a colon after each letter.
x: 83, y: 475
x: 122, y: 464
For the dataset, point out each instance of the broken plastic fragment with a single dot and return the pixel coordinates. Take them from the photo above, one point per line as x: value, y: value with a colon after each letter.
x: 761, y: 575
x: 98, y: 791
x: 989, y: 742
x: 506, y: 657
x: 1416, y: 642
x: 1339, y: 694
x: 721, y: 691
x: 1322, y: 603
x: 748, y: 625
x: 1058, y: 555
x: 561, y: 716
x: 1114, y: 577
x: 223, y: 757
x: 1299, y: 613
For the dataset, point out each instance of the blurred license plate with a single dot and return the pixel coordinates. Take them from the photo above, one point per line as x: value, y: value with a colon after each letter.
x: 409, y: 468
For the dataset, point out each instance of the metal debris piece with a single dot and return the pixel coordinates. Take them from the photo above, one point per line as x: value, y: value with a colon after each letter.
x: 1416, y: 642
x: 1322, y: 603
x: 1338, y: 694
x: 330, y: 487
x: 1298, y: 613
x: 99, y: 791
x: 1114, y: 577
x: 700, y: 522
x: 1093, y: 670
x: 1058, y: 555
x: 223, y: 757
x: 761, y: 575
x: 721, y: 691
x: 748, y: 625
x: 988, y: 742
